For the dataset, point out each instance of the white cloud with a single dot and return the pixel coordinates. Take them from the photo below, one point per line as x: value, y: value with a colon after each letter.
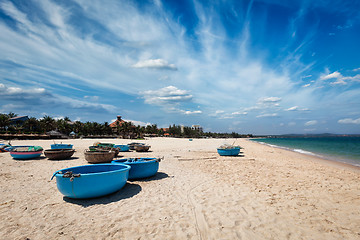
x: 166, y: 96
x: 270, y: 100
x: 239, y: 113
x: 36, y: 97
x: 156, y: 64
x: 331, y: 75
x: 292, y: 108
x: 349, y: 121
x: 219, y: 112
x: 311, y: 123
x: 136, y: 123
x: 192, y: 112
x: 14, y: 93
x: 267, y: 115
x: 296, y: 108
x: 340, y: 79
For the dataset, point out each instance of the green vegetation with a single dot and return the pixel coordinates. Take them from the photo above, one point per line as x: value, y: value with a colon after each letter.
x: 93, y: 129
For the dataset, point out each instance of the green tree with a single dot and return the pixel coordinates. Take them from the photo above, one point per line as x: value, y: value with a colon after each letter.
x: 12, y: 115
x: 32, y: 125
x: 4, y: 121
x: 47, y: 123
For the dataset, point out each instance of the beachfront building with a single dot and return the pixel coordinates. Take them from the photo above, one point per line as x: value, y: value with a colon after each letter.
x: 117, y: 123
x: 197, y: 128
x: 18, y: 120
x: 123, y: 128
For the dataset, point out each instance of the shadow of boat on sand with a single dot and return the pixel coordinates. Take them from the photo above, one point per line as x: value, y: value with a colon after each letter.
x: 128, y: 191
x: 157, y: 176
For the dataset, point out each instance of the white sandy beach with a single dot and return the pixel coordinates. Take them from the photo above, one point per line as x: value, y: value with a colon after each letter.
x: 265, y: 193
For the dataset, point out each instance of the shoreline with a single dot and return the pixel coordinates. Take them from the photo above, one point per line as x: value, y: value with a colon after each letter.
x: 333, y: 161
x: 264, y: 193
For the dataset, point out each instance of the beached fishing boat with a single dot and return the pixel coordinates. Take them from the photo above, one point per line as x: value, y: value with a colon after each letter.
x: 133, y: 144
x: 59, y: 154
x: 4, y: 147
x: 99, y: 156
x: 61, y: 146
x: 104, y: 147
x: 122, y: 148
x: 25, y: 152
x: 228, y: 150
x: 142, y: 148
x: 140, y: 167
x: 91, y: 181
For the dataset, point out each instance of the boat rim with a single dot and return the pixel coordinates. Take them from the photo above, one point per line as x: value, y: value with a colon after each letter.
x: 58, y: 174
x: 142, y: 162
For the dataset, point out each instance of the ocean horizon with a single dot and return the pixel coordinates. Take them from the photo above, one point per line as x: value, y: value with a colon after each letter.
x: 344, y: 149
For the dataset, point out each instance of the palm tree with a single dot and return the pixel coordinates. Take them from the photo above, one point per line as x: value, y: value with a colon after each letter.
x: 11, y: 115
x: 32, y: 124
x: 48, y: 123
x: 63, y: 126
x: 78, y: 127
x: 4, y: 121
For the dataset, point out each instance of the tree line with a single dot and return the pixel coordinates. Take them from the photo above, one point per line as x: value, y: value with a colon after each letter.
x: 86, y: 129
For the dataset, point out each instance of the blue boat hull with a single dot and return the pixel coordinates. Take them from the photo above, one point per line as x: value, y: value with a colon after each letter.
x: 61, y: 146
x: 228, y: 152
x: 145, y: 167
x: 122, y: 148
x: 94, y: 180
x: 25, y: 155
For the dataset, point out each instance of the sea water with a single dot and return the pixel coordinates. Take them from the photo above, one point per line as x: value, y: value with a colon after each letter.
x: 342, y: 149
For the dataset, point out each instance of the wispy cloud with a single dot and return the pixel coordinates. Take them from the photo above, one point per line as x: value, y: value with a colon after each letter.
x: 349, y: 121
x: 192, y: 112
x: 311, y: 123
x: 166, y: 96
x: 267, y: 115
x: 331, y: 75
x: 339, y: 78
x: 87, y: 55
x: 156, y: 64
x: 34, y: 98
x: 296, y: 108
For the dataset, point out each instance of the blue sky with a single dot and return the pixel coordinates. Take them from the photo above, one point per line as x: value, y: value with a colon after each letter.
x: 260, y: 67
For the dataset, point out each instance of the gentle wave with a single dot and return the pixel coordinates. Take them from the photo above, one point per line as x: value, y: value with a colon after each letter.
x: 339, y: 149
x: 304, y: 152
x: 286, y: 148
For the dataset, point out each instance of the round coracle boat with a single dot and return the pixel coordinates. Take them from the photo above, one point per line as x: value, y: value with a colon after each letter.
x: 142, y: 148
x: 122, y: 148
x: 104, y: 147
x: 61, y: 146
x: 99, y: 156
x: 59, y: 154
x: 91, y: 181
x: 133, y: 144
x: 228, y: 150
x: 140, y: 167
x: 25, y: 152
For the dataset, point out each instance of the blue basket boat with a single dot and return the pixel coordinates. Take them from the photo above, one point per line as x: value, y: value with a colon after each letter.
x: 4, y: 147
x: 229, y: 151
x: 89, y: 181
x: 140, y: 167
x: 25, y: 152
x: 122, y: 148
x: 61, y: 146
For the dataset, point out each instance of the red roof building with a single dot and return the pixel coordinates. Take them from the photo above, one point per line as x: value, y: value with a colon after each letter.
x: 117, y: 122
